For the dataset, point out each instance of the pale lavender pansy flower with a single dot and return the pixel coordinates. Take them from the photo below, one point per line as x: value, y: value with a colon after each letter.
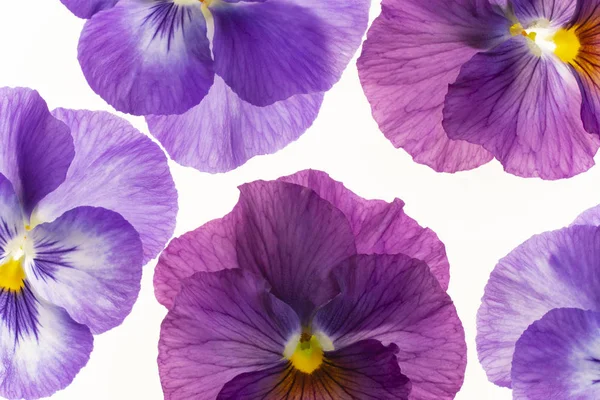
x: 309, y: 291
x: 220, y: 81
x: 85, y: 201
x: 537, y: 328
x: 457, y: 83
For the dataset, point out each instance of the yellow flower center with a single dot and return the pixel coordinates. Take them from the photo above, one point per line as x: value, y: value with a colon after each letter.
x: 567, y: 45
x: 308, y: 355
x: 564, y: 43
x: 12, y: 274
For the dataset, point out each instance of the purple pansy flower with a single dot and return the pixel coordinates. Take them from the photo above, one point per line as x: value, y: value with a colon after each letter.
x: 307, y: 291
x: 457, y: 83
x: 538, y: 323
x: 220, y: 81
x: 85, y: 201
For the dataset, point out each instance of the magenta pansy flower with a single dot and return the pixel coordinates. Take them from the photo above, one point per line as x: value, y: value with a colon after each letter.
x: 458, y: 83
x: 307, y: 291
x: 85, y: 201
x: 537, y: 328
x: 220, y: 81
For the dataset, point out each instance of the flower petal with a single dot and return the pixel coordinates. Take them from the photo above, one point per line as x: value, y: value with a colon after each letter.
x: 364, y: 370
x: 223, y: 131
x: 292, y: 238
x: 12, y: 220
x: 118, y: 168
x: 41, y: 347
x: 379, y: 227
x: 524, y: 109
x: 148, y: 57
x: 413, y: 51
x: 558, y: 12
x: 589, y: 217
x: 558, y: 357
x: 87, y: 8
x: 585, y: 65
x: 88, y: 261
x: 36, y: 149
x: 552, y: 270
x: 209, y: 248
x: 279, y: 230
x: 223, y: 324
x: 270, y: 51
x: 396, y: 299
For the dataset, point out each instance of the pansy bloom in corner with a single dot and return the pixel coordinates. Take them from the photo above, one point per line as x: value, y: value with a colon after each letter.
x: 538, y: 325
x: 457, y: 83
x: 85, y: 201
x: 307, y: 291
x: 220, y: 81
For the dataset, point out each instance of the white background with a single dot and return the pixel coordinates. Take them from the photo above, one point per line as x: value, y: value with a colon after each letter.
x: 480, y: 215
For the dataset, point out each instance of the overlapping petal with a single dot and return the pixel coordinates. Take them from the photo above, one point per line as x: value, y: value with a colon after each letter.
x: 379, y: 227
x: 414, y: 49
x: 118, y: 168
x: 148, y: 57
x: 558, y: 357
x: 87, y: 8
x: 556, y: 269
x: 524, y: 109
x: 585, y: 65
x: 556, y: 12
x: 36, y: 148
x: 396, y: 299
x: 223, y: 131
x: 41, y: 347
x: 293, y: 238
x: 88, y: 261
x: 281, y: 231
x: 211, y: 247
x: 269, y: 51
x: 223, y: 324
x: 364, y: 370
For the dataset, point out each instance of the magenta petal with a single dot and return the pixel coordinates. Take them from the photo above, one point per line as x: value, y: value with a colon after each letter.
x: 148, y: 57
x: 552, y: 270
x: 87, y: 8
x: 89, y: 262
x: 36, y: 149
x: 223, y: 324
x: 414, y: 49
x: 396, y: 299
x: 292, y: 238
x: 209, y: 248
x: 364, y: 370
x: 223, y: 131
x: 379, y: 227
x: 278, y: 230
x: 118, y: 168
x: 524, y: 109
x: 558, y: 357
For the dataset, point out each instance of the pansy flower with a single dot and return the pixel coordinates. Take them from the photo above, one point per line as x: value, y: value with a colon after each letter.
x: 220, y: 81
x: 457, y: 83
x: 307, y: 291
x: 540, y: 315
x: 85, y: 201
